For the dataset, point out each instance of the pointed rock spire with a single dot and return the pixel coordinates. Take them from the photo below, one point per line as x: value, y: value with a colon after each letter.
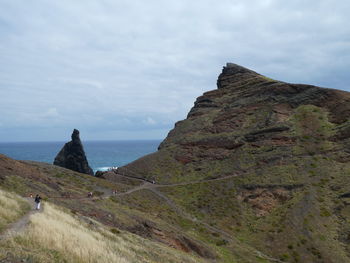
x: 72, y: 156
x: 233, y: 73
x: 232, y: 68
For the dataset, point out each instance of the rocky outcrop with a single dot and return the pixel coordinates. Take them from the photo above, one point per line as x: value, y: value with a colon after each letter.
x: 72, y: 156
x: 100, y: 174
x: 248, y: 113
x: 273, y: 162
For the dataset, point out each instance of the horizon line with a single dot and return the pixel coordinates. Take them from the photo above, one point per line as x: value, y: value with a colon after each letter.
x: 110, y: 140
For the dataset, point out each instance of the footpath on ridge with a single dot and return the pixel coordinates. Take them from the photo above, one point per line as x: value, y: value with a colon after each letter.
x: 20, y: 225
x: 153, y: 188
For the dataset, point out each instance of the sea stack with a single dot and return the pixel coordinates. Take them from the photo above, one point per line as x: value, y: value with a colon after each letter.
x: 72, y: 156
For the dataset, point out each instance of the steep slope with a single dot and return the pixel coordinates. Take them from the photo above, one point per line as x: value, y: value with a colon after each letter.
x: 273, y: 159
x: 69, y: 189
x: 258, y: 172
x: 42, y: 237
x: 247, y: 113
x: 12, y: 207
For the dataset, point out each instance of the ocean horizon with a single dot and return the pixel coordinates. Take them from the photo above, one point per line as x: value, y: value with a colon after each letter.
x: 101, y: 155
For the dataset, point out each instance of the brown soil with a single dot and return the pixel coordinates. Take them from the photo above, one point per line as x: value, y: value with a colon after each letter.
x: 264, y: 200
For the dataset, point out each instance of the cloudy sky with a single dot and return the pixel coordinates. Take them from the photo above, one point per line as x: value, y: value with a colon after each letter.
x: 129, y: 69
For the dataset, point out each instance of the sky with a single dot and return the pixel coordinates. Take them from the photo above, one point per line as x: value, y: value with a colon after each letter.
x: 128, y: 70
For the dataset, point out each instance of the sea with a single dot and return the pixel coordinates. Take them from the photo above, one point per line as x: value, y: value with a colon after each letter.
x: 101, y: 155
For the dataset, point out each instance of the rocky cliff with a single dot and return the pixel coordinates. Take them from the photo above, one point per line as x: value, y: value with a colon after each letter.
x: 72, y: 156
x: 248, y: 121
x: 265, y: 161
x: 258, y: 172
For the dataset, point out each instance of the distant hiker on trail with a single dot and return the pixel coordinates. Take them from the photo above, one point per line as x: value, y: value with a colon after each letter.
x: 90, y: 194
x: 37, y: 200
x: 31, y: 195
x: 114, y: 192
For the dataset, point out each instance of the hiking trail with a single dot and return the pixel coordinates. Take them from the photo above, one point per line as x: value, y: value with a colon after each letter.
x: 153, y: 188
x: 18, y: 226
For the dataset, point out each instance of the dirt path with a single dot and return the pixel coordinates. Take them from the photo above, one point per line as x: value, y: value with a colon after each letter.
x: 153, y: 188
x: 198, y: 181
x: 145, y: 185
x: 178, y: 184
x: 21, y: 223
x: 108, y: 192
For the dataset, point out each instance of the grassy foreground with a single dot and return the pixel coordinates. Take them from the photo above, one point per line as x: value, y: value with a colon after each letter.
x: 55, y: 235
x: 12, y: 207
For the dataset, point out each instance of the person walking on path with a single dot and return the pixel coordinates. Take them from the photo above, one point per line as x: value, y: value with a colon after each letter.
x: 37, y: 200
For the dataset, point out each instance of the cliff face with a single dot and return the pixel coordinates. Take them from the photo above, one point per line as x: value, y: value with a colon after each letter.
x: 72, y: 156
x: 248, y: 121
x: 258, y: 172
x: 264, y: 160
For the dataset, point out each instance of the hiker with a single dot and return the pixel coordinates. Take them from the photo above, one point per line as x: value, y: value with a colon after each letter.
x: 37, y: 200
x: 115, y: 192
x: 31, y: 195
x: 89, y: 194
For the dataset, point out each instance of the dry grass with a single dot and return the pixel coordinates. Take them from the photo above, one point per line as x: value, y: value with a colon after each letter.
x: 12, y: 207
x: 60, y: 231
x: 57, y: 236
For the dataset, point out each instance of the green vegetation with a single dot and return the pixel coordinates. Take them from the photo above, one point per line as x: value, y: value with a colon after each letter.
x: 256, y: 173
x: 313, y: 129
x: 57, y: 236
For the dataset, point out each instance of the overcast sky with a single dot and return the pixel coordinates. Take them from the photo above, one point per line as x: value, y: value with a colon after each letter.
x: 130, y: 69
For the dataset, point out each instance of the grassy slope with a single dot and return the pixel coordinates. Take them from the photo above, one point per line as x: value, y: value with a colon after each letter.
x: 143, y: 213
x: 310, y: 226
x: 299, y: 230
x: 55, y: 235
x: 68, y: 189
x: 304, y: 228
x: 12, y: 207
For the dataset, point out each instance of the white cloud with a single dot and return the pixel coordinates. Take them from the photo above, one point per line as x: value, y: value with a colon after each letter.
x: 51, y: 113
x: 149, y: 121
x: 98, y: 60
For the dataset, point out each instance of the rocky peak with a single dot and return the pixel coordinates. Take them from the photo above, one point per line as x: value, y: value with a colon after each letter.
x: 232, y: 68
x: 234, y: 73
x: 246, y: 112
x: 75, y: 136
x: 275, y: 150
x: 72, y: 156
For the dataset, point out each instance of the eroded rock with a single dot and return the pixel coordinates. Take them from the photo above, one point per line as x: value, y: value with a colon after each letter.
x: 72, y: 156
x: 263, y: 199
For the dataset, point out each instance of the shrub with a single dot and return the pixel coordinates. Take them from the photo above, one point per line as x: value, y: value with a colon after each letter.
x: 222, y: 242
x: 284, y: 257
x: 115, y: 231
x: 98, y: 193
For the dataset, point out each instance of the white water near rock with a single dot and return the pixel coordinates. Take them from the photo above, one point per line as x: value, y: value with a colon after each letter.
x: 100, y: 154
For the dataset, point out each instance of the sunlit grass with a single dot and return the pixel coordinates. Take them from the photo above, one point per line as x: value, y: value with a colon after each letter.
x: 57, y: 236
x: 12, y: 207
